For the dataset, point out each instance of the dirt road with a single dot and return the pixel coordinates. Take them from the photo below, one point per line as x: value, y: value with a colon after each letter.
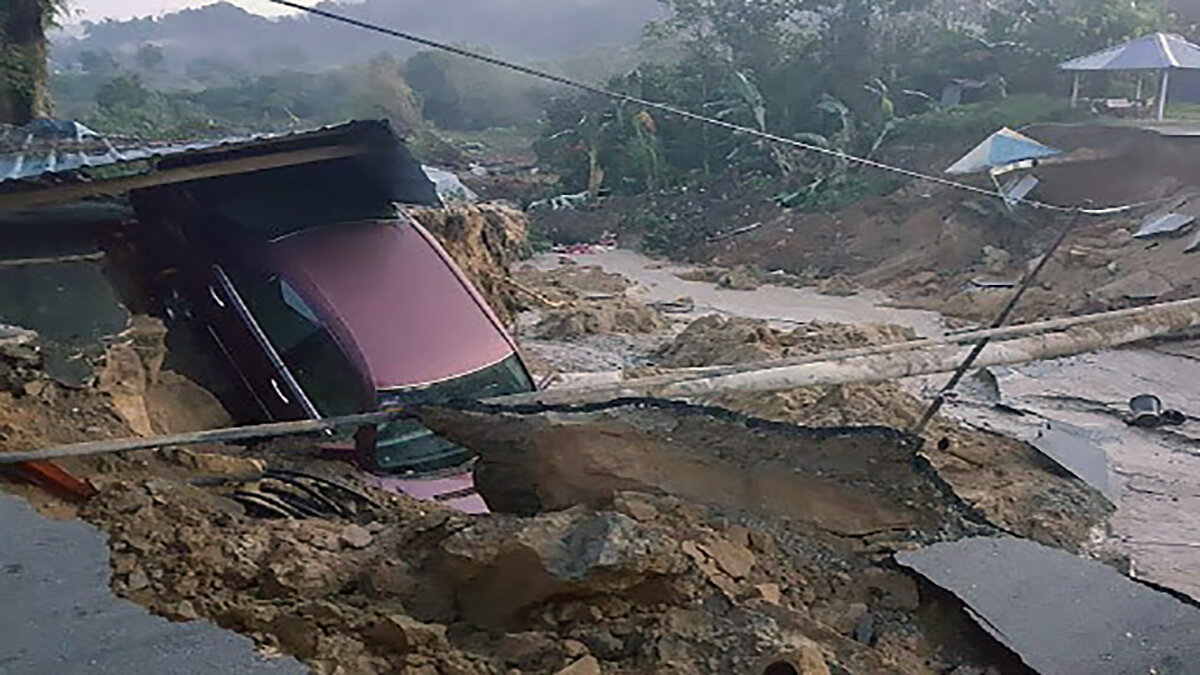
x: 656, y: 281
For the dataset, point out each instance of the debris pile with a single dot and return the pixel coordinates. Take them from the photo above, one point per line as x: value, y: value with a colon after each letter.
x: 577, y: 301
x: 485, y: 240
x: 721, y: 340
x: 641, y: 579
x: 737, y: 278
x: 1032, y: 499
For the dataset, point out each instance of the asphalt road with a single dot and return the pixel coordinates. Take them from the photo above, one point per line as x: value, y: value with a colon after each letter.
x: 58, y: 616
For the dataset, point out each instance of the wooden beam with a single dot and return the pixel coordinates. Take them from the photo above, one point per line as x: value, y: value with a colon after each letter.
x: 75, y: 191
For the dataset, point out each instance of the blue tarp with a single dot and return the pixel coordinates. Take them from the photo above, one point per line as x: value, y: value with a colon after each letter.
x: 1002, y: 148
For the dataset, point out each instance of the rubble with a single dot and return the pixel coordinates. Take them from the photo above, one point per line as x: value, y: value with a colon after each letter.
x: 577, y: 301
x: 581, y: 589
x: 964, y: 458
x: 599, y: 317
x: 720, y: 340
x: 485, y: 240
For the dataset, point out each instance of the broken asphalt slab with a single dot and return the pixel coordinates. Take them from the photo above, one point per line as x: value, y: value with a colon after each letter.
x: 57, y: 614
x: 1063, y: 615
x: 1070, y: 448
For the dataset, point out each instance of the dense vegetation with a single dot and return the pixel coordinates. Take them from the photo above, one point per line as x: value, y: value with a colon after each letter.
x: 862, y: 76
x: 23, y: 48
x: 855, y: 75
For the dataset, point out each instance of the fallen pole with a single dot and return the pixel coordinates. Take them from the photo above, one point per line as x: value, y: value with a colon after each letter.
x: 1026, y: 284
x: 1077, y: 340
x: 616, y: 390
x: 257, y: 431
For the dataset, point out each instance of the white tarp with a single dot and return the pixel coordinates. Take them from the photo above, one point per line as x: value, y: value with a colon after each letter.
x: 449, y: 188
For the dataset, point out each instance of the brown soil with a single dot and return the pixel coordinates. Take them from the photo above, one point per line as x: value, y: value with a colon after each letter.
x: 1008, y: 481
x: 925, y: 244
x: 577, y: 301
x: 739, y: 278
x: 719, y: 340
x: 485, y: 240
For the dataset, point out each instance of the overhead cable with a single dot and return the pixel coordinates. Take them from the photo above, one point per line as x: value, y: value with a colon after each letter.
x: 686, y: 114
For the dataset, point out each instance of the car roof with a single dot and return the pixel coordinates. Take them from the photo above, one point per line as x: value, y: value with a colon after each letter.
x: 394, y: 301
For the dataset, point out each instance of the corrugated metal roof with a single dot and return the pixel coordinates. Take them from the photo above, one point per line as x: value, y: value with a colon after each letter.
x: 1152, y: 52
x: 57, y: 147
x: 57, y: 151
x: 47, y: 147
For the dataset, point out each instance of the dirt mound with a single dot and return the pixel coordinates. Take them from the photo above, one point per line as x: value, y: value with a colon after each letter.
x: 641, y: 583
x: 720, y: 340
x: 838, y: 285
x: 485, y: 240
x: 598, y: 317
x: 738, y: 278
x: 572, y: 282
x: 577, y: 301
x: 1033, y: 499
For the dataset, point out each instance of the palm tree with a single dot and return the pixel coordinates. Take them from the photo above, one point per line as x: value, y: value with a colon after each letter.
x: 24, y: 87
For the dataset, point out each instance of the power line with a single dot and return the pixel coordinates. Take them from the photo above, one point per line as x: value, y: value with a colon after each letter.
x: 680, y: 112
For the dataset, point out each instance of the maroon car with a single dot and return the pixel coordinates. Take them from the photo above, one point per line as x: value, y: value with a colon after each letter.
x: 354, y: 317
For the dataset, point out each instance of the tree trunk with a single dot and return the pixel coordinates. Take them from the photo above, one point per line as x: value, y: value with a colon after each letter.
x: 24, y: 86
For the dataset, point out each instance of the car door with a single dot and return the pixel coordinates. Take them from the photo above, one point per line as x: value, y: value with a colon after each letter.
x: 241, y: 338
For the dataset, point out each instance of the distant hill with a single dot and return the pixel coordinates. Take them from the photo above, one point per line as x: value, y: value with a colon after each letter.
x: 224, y: 34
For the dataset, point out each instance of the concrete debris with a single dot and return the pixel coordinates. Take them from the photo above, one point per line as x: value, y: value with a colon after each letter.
x: 1036, y: 599
x: 1144, y: 286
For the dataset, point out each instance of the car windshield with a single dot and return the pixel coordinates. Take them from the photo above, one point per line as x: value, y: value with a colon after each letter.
x: 404, y: 446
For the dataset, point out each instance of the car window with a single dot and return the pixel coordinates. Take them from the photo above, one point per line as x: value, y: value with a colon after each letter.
x: 304, y: 345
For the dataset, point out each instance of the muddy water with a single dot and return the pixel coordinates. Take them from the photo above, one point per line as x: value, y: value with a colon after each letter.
x: 657, y: 282
x: 1156, y: 471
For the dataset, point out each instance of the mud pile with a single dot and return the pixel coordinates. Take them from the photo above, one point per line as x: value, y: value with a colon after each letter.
x: 485, y: 240
x: 927, y: 245
x: 630, y: 581
x: 579, y: 301
x: 738, y: 278
x: 720, y: 340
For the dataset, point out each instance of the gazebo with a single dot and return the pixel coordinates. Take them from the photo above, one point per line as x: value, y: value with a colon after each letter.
x: 1158, y: 52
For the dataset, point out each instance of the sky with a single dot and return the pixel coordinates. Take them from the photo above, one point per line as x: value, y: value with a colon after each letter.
x: 98, y: 10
